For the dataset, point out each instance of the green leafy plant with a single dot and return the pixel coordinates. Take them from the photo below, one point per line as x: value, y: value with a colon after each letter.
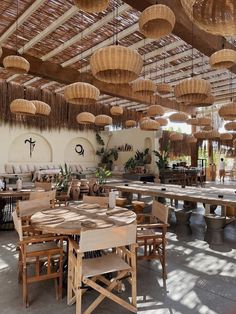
x: 108, y: 155
x: 63, y: 178
x: 130, y: 164
x: 102, y: 173
x: 140, y: 157
x: 163, y: 156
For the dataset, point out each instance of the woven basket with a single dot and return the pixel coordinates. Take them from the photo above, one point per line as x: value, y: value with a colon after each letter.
x: 92, y: 6
x: 164, y: 89
x: 192, y: 90
x: 190, y: 139
x: 116, y: 64
x: 192, y: 121
x: 208, y: 101
x: 81, y: 93
x: 226, y: 136
x: 130, y: 123
x: 223, y: 59
x: 202, y: 121
x: 22, y: 106
x: 42, y: 109
x: 174, y: 137
x: 162, y: 121
x: 149, y: 125
x: 213, y: 16
x: 228, y: 111
x: 201, y: 135
x: 116, y: 110
x: 16, y: 64
x: 144, y: 87
x: 85, y: 118
x: 213, y: 134
x: 207, y: 128
x: 155, y: 110
x: 103, y: 120
x: 230, y: 126
x: 156, y: 21
x: 178, y: 117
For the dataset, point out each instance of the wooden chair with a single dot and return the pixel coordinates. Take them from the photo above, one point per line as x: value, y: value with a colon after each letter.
x: 152, y: 240
x: 63, y: 198
x: 103, y: 201
x: 41, y: 252
x: 90, y: 272
x: 51, y: 195
x: 46, y: 186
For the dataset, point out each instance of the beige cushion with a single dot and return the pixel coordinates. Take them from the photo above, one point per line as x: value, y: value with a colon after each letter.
x: 36, y: 167
x: 73, y: 168
x: 9, y: 168
x: 24, y: 168
x: 79, y: 168
x: 30, y: 167
x: 17, y: 169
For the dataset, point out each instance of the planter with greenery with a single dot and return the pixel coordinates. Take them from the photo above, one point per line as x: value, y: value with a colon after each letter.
x: 107, y: 155
x: 63, y: 179
x: 138, y: 162
x: 101, y: 174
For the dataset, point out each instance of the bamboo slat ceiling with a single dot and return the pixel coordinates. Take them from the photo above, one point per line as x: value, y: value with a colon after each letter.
x: 58, y: 32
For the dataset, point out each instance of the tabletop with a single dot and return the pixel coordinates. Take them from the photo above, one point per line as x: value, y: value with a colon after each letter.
x: 70, y: 219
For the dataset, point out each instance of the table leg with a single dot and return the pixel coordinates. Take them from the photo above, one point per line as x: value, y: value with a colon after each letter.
x: 207, y: 209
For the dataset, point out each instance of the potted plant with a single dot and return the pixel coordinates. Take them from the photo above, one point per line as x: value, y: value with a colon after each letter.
x: 130, y: 165
x: 102, y: 174
x: 63, y: 180
x: 108, y: 155
x: 162, y: 162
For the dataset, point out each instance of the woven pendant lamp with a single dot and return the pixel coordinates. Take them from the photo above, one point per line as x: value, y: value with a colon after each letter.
x: 213, y: 16
x: 149, y: 125
x: 103, y: 120
x: 192, y: 90
x: 164, y: 88
x: 228, y: 111
x: 202, y: 121
x: 192, y: 121
x: 85, y: 118
x: 208, y: 101
x: 116, y: 110
x: 212, y: 135
x: 162, y: 121
x: 175, y: 137
x: 16, y: 64
x: 155, y: 110
x: 22, y: 106
x: 81, y: 93
x: 156, y: 21
x: 144, y: 87
x: 201, y: 135
x: 116, y: 64
x: 130, y: 123
x: 230, y: 126
x: 207, y: 128
x: 92, y: 6
x: 226, y: 137
x: 234, y: 143
x: 178, y: 117
x: 191, y: 139
x: 42, y: 109
x: 223, y: 59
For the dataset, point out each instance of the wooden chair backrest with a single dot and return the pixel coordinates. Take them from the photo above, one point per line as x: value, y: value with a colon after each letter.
x: 160, y: 211
x: 17, y: 224
x: 100, y: 239
x: 101, y: 200
x: 28, y: 208
x: 46, y: 186
x: 41, y: 195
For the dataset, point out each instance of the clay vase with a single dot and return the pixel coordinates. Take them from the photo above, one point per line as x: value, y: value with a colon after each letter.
x: 84, y: 187
x: 75, y: 189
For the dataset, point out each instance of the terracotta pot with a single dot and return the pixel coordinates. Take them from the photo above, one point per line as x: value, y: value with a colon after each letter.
x: 75, y: 189
x: 84, y: 187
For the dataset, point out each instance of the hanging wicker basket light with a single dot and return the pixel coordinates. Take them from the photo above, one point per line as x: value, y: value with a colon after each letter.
x: 207, y: 128
x: 23, y: 106
x: 116, y: 110
x: 92, y: 6
x: 208, y: 101
x: 226, y: 137
x: 192, y: 121
x: 204, y: 121
x: 116, y: 64
x: 200, y: 135
x: 175, y: 137
x: 228, y: 111
x: 155, y: 110
x: 103, y: 120
x: 190, y: 139
x: 234, y: 143
x: 164, y: 88
x: 162, y: 121
x: 16, y: 64
x: 81, y: 93
x: 212, y: 135
x: 42, y: 109
x: 156, y: 21
x: 144, y: 87
x: 178, y: 117
x: 85, y: 118
x: 213, y: 16
x: 223, y: 59
x: 149, y: 125
x: 192, y: 90
x: 230, y: 126
x: 130, y: 123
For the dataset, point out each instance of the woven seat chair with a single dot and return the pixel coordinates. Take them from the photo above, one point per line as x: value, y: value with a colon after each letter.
x: 103, y: 201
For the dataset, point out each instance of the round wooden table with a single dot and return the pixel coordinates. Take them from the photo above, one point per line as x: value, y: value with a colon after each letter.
x: 70, y: 220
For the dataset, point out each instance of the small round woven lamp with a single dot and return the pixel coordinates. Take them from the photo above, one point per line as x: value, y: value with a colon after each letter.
x: 130, y: 123
x: 208, y: 101
x: 178, y: 117
x: 213, y: 16
x: 155, y: 110
x: 156, y: 21
x: 81, y: 93
x: 207, y: 128
x: 164, y: 88
x: 201, y: 135
x: 192, y: 121
x: 103, y: 120
x: 144, y: 87
x: 226, y: 136
x: 162, y: 121
x: 192, y: 90
x: 149, y: 125
x: 22, y: 106
x: 202, y: 121
x: 42, y: 109
x: 116, y: 64
x: 85, y: 118
x: 190, y: 139
x: 175, y: 137
x: 116, y: 110
x: 228, y: 111
x: 234, y: 143
x: 223, y: 59
x: 230, y: 126
x: 16, y: 64
x: 213, y: 134
x: 92, y: 6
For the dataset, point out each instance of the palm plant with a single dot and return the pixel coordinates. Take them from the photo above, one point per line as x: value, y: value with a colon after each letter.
x: 163, y: 156
x: 63, y: 178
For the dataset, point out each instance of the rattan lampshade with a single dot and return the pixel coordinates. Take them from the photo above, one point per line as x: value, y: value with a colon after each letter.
x: 164, y: 88
x: 0, y: 52
x: 85, y: 118
x: 230, y: 126
x: 192, y: 121
x: 144, y: 87
x: 175, y: 137
x: 208, y: 101
x: 234, y: 143
x: 130, y: 123
x: 149, y: 125
x: 228, y: 111
x: 16, y: 64
x: 116, y: 110
x: 92, y: 6
x: 116, y: 64
x: 204, y: 121
x: 162, y: 121
x: 223, y: 59
x: 42, y: 109
x: 213, y: 16
x: 226, y: 136
x: 156, y: 21
x: 178, y: 117
x: 190, y: 139
x: 23, y: 106
x: 207, y: 128
x: 103, y: 120
x: 155, y: 110
x: 81, y: 93
x: 192, y: 90
x: 201, y: 135
x: 213, y: 134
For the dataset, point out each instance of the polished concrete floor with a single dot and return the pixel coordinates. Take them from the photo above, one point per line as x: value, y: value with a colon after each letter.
x: 201, y: 277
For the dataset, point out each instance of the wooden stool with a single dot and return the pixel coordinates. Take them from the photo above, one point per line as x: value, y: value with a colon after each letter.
x: 121, y: 201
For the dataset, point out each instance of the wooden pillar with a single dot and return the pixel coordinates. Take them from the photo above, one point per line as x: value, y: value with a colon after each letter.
x: 194, y: 150
x: 210, y: 152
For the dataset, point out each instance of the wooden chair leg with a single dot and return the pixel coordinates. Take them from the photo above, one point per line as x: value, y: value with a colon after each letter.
x: 25, y: 287
x: 20, y: 267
